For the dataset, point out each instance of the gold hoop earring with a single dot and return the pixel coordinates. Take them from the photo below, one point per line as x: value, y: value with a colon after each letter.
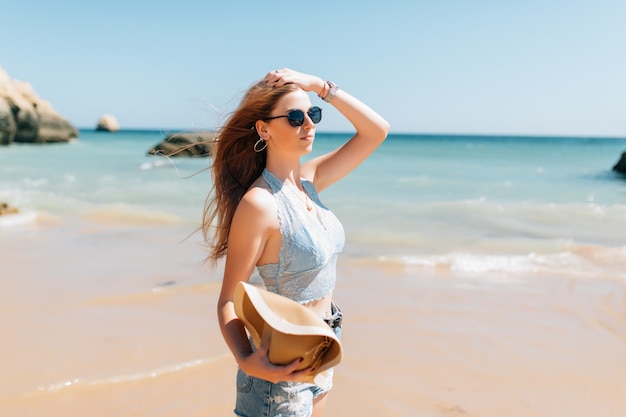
x: 256, y: 145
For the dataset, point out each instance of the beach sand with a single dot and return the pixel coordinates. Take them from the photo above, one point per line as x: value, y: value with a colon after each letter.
x: 119, y: 320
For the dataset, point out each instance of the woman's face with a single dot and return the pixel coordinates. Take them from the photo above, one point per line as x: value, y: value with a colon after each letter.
x: 284, y: 138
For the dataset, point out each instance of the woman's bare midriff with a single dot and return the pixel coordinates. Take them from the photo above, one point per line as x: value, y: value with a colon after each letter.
x: 321, y: 307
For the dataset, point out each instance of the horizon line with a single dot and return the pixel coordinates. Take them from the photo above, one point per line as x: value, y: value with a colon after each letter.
x: 392, y: 133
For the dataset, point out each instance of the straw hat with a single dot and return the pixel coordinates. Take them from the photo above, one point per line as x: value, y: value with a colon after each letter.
x: 294, y: 330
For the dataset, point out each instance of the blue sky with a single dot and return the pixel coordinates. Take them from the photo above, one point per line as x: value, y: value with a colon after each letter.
x: 479, y: 67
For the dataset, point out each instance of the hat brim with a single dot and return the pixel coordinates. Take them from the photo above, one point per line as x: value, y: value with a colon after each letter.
x: 293, y: 330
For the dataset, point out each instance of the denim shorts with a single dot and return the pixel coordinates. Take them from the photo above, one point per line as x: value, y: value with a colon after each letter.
x: 260, y: 398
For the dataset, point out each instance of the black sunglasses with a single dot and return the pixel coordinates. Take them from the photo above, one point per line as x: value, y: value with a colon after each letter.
x: 296, y: 117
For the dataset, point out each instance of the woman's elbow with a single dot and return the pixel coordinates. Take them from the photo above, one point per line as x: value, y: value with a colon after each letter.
x: 382, y: 131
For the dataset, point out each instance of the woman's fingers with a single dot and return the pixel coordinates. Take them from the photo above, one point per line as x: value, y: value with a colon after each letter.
x: 279, y: 77
x: 276, y: 373
x: 275, y: 76
x: 289, y: 372
x: 284, y: 76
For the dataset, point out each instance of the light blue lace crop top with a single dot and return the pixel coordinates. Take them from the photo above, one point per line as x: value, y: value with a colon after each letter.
x: 311, y: 242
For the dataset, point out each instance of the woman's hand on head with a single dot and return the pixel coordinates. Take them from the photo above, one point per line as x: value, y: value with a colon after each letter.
x: 257, y: 364
x: 288, y: 76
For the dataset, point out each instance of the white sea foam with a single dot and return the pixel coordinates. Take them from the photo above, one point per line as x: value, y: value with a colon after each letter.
x: 17, y: 219
x: 139, y: 376
x: 579, y: 262
x: 36, y: 182
x: 157, y: 163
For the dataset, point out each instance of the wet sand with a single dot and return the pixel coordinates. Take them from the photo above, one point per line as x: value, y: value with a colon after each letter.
x: 105, y: 320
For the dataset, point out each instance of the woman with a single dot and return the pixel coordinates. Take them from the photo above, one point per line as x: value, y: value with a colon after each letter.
x: 266, y: 213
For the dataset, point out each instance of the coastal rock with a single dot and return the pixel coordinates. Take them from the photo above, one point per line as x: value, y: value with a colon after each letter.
x: 7, y: 209
x: 108, y: 123
x: 29, y: 118
x: 7, y: 123
x: 185, y: 144
x: 621, y: 164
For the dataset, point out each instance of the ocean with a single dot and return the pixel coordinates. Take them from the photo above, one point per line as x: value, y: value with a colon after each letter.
x: 104, y: 291
x: 462, y: 202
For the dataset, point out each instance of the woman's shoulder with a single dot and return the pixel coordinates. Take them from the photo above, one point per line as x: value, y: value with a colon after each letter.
x: 256, y: 212
x: 258, y: 199
x: 259, y: 189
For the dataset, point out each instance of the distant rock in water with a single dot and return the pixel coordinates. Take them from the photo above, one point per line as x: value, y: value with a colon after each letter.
x: 108, y: 123
x: 7, y: 209
x: 24, y: 117
x: 185, y: 144
x: 621, y: 164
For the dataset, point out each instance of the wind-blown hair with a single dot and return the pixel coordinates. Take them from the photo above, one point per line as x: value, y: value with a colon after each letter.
x: 235, y: 163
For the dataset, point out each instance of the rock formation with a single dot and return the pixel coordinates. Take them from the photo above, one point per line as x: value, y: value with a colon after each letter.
x: 621, y: 164
x: 24, y: 117
x: 108, y: 123
x: 7, y: 209
x: 186, y: 144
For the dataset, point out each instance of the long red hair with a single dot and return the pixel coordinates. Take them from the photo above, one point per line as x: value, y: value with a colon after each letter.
x: 235, y: 164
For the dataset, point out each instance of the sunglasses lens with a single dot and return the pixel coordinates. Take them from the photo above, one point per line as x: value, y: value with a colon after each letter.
x: 295, y: 118
x: 315, y: 113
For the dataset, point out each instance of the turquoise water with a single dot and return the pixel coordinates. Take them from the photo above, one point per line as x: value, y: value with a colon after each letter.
x: 459, y: 202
